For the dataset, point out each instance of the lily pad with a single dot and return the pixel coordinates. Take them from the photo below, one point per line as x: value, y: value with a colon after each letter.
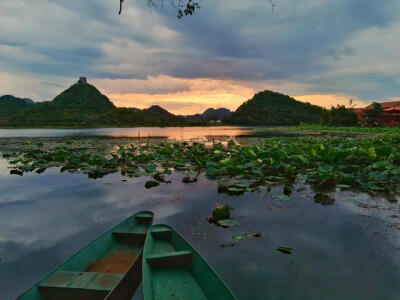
x: 343, y: 186
x: 151, y: 183
x: 286, y: 250
x: 281, y: 197
x: 227, y: 223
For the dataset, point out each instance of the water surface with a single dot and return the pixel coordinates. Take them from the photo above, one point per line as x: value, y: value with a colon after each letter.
x: 343, y: 251
x: 178, y: 133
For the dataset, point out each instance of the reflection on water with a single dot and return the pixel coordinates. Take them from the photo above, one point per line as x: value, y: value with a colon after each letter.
x: 178, y: 133
x: 337, y: 254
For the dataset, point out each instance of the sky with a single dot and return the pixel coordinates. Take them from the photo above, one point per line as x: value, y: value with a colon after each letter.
x: 320, y: 51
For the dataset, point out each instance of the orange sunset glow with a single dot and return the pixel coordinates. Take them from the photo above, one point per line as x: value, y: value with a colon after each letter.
x: 190, y: 96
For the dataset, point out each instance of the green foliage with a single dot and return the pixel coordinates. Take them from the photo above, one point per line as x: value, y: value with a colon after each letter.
x: 270, y: 108
x: 374, y: 115
x: 339, y: 116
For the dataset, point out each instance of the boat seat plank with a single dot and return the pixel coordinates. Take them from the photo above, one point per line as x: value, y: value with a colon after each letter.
x: 130, y: 238
x: 145, y: 214
x: 161, y: 229
x: 129, y: 234
x: 104, y: 281
x: 144, y: 219
x: 61, y: 279
x: 82, y: 280
x: 171, y: 259
x: 161, y: 233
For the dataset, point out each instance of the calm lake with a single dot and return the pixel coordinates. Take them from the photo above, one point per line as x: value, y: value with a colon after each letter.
x: 348, y: 250
x: 167, y: 132
x: 178, y: 133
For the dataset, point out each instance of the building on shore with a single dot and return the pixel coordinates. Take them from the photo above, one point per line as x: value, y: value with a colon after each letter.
x: 390, y: 115
x: 82, y: 80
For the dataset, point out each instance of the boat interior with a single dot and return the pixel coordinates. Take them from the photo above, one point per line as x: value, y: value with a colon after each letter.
x: 95, y: 271
x: 172, y: 263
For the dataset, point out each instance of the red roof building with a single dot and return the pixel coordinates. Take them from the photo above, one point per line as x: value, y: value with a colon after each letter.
x: 390, y: 115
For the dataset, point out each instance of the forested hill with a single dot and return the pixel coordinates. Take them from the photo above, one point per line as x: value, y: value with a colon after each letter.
x: 83, y: 105
x: 10, y: 105
x: 209, y: 115
x: 271, y: 108
x: 83, y: 96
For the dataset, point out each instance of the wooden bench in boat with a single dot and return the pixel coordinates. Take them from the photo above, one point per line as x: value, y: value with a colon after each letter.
x: 80, y: 285
x: 172, y: 259
x: 138, y: 234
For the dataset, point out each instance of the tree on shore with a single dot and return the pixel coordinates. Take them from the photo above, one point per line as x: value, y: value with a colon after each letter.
x: 339, y: 116
x: 183, y: 7
x: 374, y: 115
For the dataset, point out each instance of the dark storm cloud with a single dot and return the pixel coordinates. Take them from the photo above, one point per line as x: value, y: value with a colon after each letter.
x: 301, y: 41
x: 284, y: 43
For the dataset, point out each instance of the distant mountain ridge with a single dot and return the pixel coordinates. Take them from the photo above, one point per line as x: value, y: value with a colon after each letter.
x: 10, y: 106
x: 210, y: 114
x: 270, y: 108
x: 216, y: 114
x: 82, y: 104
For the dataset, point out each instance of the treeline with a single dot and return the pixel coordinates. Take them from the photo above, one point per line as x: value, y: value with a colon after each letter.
x: 339, y: 116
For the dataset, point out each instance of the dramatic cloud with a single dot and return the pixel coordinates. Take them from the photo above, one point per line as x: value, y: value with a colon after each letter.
x: 234, y: 48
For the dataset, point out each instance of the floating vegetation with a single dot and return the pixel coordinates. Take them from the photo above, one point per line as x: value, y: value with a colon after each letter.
x: 227, y: 223
x: 369, y: 164
x: 323, y: 199
x: 221, y: 216
x: 285, y: 250
x: 245, y: 236
x: 281, y: 197
x: 151, y: 183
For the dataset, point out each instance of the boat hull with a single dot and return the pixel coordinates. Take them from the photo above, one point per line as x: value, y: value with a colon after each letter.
x: 107, y: 268
x: 172, y: 269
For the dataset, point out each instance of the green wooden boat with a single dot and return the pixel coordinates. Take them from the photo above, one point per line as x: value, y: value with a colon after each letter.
x: 172, y: 269
x: 108, y: 268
